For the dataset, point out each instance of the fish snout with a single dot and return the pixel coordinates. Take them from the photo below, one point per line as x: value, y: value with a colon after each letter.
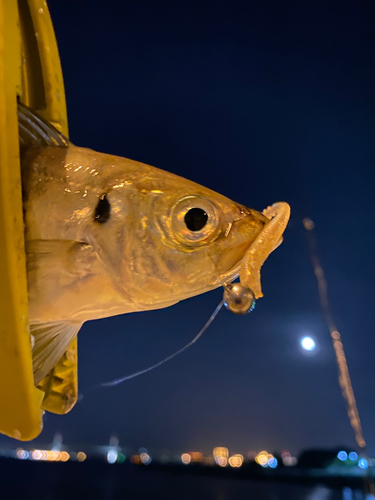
x: 241, y: 231
x: 257, y: 218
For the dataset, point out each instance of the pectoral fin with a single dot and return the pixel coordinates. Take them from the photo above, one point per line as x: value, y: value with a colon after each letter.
x: 51, y: 341
x: 53, y: 264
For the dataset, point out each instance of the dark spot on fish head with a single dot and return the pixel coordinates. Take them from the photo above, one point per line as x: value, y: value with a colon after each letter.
x: 103, y: 210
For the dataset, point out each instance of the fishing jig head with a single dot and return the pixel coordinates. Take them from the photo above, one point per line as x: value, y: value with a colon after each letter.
x: 238, y: 298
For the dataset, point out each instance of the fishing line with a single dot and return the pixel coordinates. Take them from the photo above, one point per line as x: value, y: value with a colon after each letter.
x: 344, y: 377
x: 145, y: 370
x: 342, y: 365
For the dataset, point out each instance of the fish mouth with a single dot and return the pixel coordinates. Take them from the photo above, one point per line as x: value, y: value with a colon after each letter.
x: 239, y: 235
x: 257, y: 236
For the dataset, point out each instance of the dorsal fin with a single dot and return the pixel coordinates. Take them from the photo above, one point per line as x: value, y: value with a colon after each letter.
x: 36, y: 131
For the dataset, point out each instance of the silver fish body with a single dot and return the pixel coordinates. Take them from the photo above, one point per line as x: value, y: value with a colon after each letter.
x: 106, y: 236
x: 143, y: 256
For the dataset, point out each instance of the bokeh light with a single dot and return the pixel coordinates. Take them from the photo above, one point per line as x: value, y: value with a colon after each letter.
x: 222, y: 461
x: 196, y: 456
x: 220, y: 451
x: 135, y: 459
x: 272, y: 462
x: 22, y: 454
x: 236, y: 460
x: 81, y: 456
x: 36, y: 455
x: 64, y: 456
x: 342, y: 455
x: 362, y: 463
x: 145, y: 458
x: 112, y: 456
x: 185, y: 458
x: 262, y: 458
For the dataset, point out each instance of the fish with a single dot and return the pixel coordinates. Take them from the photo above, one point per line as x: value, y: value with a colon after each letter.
x: 105, y: 235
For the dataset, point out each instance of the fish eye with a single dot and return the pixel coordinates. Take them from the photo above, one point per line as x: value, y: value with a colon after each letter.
x: 195, y: 220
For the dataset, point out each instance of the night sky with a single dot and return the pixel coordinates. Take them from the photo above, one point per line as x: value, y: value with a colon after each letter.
x: 262, y: 102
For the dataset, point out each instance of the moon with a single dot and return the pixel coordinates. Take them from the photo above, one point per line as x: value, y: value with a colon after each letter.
x: 308, y: 343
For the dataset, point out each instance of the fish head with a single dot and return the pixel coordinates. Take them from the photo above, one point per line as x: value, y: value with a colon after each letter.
x: 169, y: 239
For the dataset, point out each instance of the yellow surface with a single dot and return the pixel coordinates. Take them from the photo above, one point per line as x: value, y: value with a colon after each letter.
x: 20, y: 415
x: 42, y: 80
x: 29, y: 68
x: 43, y: 91
x: 60, y: 385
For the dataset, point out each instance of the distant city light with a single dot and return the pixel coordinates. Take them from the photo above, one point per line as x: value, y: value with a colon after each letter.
x: 222, y: 461
x: 64, y: 456
x: 308, y: 344
x: 236, y: 460
x: 342, y: 455
x: 135, y: 459
x: 37, y: 455
x: 272, y: 462
x: 81, y: 456
x: 185, y: 458
x: 196, y: 456
x: 44, y: 455
x: 219, y: 457
x: 53, y: 455
x: 22, y: 454
x: 112, y: 456
x: 362, y: 463
x: 145, y: 458
x: 221, y: 454
x: 262, y: 458
x: 220, y: 451
x: 353, y: 456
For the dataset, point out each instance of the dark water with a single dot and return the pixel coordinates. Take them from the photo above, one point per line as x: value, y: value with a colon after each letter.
x: 98, y: 481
